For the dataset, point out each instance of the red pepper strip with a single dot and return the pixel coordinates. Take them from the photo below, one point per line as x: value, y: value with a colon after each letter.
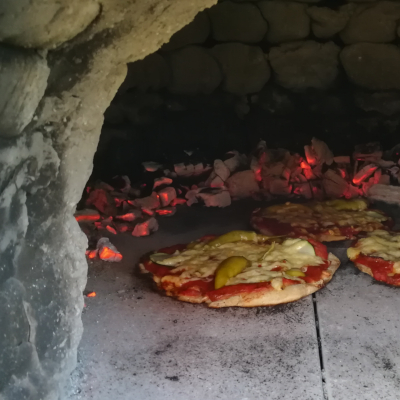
x: 156, y: 269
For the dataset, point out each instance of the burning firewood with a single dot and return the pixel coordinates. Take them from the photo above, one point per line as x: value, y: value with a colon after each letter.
x: 107, y: 251
x: 334, y: 185
x: 364, y: 173
x: 215, y: 197
x: 149, y: 202
x: 166, y: 196
x: 87, y: 215
x: 161, y: 181
x: 242, y: 184
x: 130, y: 216
x: 146, y: 227
x: 166, y: 211
x: 103, y: 201
x: 235, y: 161
x: 318, y: 153
x: 219, y: 174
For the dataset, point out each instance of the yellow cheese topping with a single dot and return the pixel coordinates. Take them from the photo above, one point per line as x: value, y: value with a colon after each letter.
x: 202, y: 260
x: 378, y: 244
x: 325, y: 215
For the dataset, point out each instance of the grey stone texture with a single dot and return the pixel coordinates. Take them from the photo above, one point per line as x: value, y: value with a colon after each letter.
x: 194, y: 70
x: 302, y: 65
x: 233, y: 22
x: 326, y: 22
x: 371, y: 22
x: 386, y: 103
x: 287, y: 20
x: 195, y: 32
x: 23, y: 80
x: 245, y: 68
x: 43, y: 172
x: 372, y: 66
x: 44, y: 23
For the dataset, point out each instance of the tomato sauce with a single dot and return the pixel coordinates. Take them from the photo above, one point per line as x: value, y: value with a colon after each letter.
x: 195, y: 288
x: 380, y: 269
x: 156, y: 269
x: 229, y: 291
x: 274, y: 226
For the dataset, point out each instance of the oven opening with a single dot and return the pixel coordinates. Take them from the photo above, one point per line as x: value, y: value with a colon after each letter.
x: 199, y: 201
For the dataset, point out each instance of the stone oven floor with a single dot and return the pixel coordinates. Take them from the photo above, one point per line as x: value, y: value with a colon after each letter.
x: 140, y: 345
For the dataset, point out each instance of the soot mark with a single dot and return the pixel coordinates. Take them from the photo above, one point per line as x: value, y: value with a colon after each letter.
x: 173, y: 378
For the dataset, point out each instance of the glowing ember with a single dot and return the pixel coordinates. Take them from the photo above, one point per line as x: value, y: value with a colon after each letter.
x: 147, y: 211
x: 108, y: 254
x: 166, y: 211
x: 305, y: 165
x: 178, y: 201
x: 92, y: 217
x: 91, y: 294
x: 91, y: 253
x: 342, y: 172
x: 111, y: 229
x: 364, y: 173
x: 131, y: 216
x: 107, y: 251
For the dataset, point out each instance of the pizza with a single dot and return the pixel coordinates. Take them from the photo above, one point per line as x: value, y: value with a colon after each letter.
x: 378, y: 255
x: 241, y: 269
x: 324, y: 221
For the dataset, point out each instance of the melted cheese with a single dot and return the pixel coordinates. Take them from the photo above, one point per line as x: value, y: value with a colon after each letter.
x: 202, y: 261
x: 321, y: 214
x: 379, y: 244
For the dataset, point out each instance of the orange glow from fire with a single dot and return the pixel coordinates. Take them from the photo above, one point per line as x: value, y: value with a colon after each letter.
x: 305, y: 165
x: 91, y: 217
x: 164, y: 212
x: 164, y: 198
x: 91, y: 253
x: 361, y: 177
x: 118, y: 202
x: 342, y: 172
x: 106, y: 253
x: 178, y: 201
x: 91, y: 294
x: 148, y: 211
x: 111, y: 229
x: 258, y: 174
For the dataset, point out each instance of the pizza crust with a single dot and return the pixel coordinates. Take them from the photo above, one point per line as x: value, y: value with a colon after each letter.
x: 271, y: 297
x: 364, y: 269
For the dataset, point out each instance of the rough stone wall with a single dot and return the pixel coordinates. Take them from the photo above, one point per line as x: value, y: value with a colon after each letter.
x: 61, y: 63
x: 304, y: 45
x: 276, y: 68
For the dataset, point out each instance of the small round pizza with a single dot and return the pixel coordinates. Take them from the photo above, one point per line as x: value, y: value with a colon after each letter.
x: 378, y: 255
x: 241, y: 268
x: 324, y: 221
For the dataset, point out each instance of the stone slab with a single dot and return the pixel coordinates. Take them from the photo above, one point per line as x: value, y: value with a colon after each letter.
x: 138, y: 344
x: 359, y: 324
